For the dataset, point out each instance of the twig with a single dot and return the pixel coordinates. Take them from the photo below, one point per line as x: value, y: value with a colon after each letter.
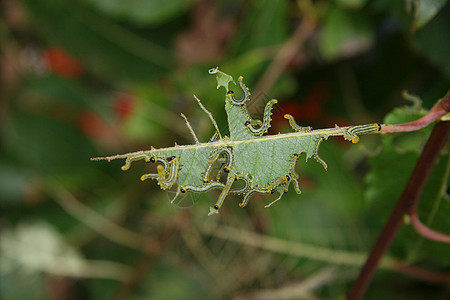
x: 332, y: 256
x: 286, y: 54
x: 300, y: 290
x: 427, y: 232
x: 209, y: 115
x: 99, y: 223
x: 406, y: 204
x: 190, y: 129
x: 438, y: 110
x: 423, y: 229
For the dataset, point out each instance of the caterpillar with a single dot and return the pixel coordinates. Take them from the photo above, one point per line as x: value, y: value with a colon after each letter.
x: 245, y: 93
x: 154, y: 159
x: 256, y: 127
x: 130, y: 159
x: 261, y: 129
x: 254, y: 122
x: 167, y: 171
x: 295, y: 126
x: 351, y: 134
x: 316, y: 151
x: 216, y: 185
x: 247, y: 184
x: 201, y: 189
x: 215, y: 156
x: 269, y: 189
x: 167, y: 179
x: 226, y: 189
x: 294, y: 176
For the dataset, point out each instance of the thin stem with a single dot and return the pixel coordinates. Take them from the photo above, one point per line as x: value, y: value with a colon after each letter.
x: 427, y: 232
x: 287, y: 52
x: 332, y: 256
x: 99, y: 223
x: 209, y: 115
x: 438, y: 110
x: 191, y: 130
x: 337, y: 131
x: 406, y: 204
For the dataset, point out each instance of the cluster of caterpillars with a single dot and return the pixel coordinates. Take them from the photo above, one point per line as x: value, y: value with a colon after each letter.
x: 222, y: 158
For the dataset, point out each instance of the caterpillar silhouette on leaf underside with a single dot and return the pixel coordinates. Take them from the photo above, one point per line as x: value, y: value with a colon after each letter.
x: 241, y: 155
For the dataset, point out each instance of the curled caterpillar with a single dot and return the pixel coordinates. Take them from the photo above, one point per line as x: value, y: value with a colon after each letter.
x: 261, y: 129
x: 215, y: 157
x: 269, y: 189
x: 155, y: 159
x: 167, y: 179
x: 245, y: 93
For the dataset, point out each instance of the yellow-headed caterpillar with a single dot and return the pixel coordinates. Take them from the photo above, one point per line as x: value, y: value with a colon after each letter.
x: 167, y: 179
x: 214, y: 158
x: 353, y: 132
x: 295, y: 126
x: 260, y: 130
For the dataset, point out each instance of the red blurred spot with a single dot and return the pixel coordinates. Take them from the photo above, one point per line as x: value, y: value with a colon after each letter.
x: 311, y: 108
x: 92, y: 125
x: 61, y: 63
x: 124, y: 105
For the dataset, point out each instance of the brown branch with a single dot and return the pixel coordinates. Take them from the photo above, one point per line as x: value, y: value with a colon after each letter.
x: 406, y: 204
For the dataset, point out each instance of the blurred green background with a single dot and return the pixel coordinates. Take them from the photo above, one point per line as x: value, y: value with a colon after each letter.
x: 88, y: 78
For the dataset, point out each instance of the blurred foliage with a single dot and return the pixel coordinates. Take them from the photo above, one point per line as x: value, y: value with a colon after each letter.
x: 90, y: 78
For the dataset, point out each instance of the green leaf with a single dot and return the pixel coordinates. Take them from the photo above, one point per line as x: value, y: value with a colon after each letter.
x: 345, y: 33
x: 269, y: 17
x: 46, y: 139
x: 433, y: 41
x: 142, y: 11
x: 223, y: 79
x: 425, y: 10
x: 106, y: 47
x: 351, y: 3
x: 264, y: 164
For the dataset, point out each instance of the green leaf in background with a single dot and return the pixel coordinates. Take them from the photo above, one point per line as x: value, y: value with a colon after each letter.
x: 331, y: 202
x: 390, y: 171
x: 142, y: 12
x: 351, y: 3
x: 132, y: 79
x: 106, y: 47
x: 345, y: 33
x: 46, y: 138
x: 433, y: 40
x: 425, y: 10
x: 270, y: 19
